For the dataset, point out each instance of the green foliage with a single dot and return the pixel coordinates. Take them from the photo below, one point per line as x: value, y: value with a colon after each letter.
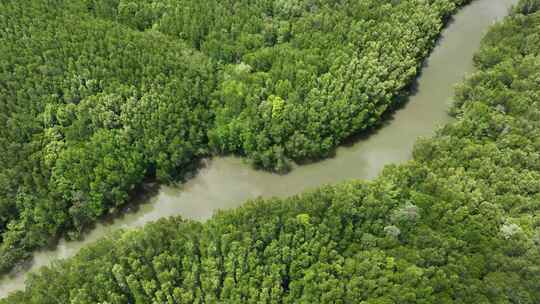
x: 96, y: 96
x: 527, y: 7
x: 89, y: 109
x: 337, y: 65
x: 460, y: 223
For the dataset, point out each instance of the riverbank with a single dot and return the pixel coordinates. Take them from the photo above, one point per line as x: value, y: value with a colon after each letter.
x: 225, y: 183
x: 460, y: 222
x: 104, y: 95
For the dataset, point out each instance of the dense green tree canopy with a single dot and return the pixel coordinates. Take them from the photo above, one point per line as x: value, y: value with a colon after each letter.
x: 96, y: 96
x: 336, y: 65
x: 460, y: 223
x: 89, y: 109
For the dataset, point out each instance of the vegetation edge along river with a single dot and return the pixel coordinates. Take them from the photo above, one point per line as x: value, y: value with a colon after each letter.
x: 227, y: 182
x: 97, y: 96
x: 459, y: 223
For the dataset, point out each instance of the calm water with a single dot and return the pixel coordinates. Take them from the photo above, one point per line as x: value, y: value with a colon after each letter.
x: 227, y: 182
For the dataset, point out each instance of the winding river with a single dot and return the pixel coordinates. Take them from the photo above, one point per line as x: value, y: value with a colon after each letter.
x: 226, y: 182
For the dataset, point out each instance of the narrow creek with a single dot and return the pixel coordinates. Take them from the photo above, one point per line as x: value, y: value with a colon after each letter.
x: 227, y: 182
